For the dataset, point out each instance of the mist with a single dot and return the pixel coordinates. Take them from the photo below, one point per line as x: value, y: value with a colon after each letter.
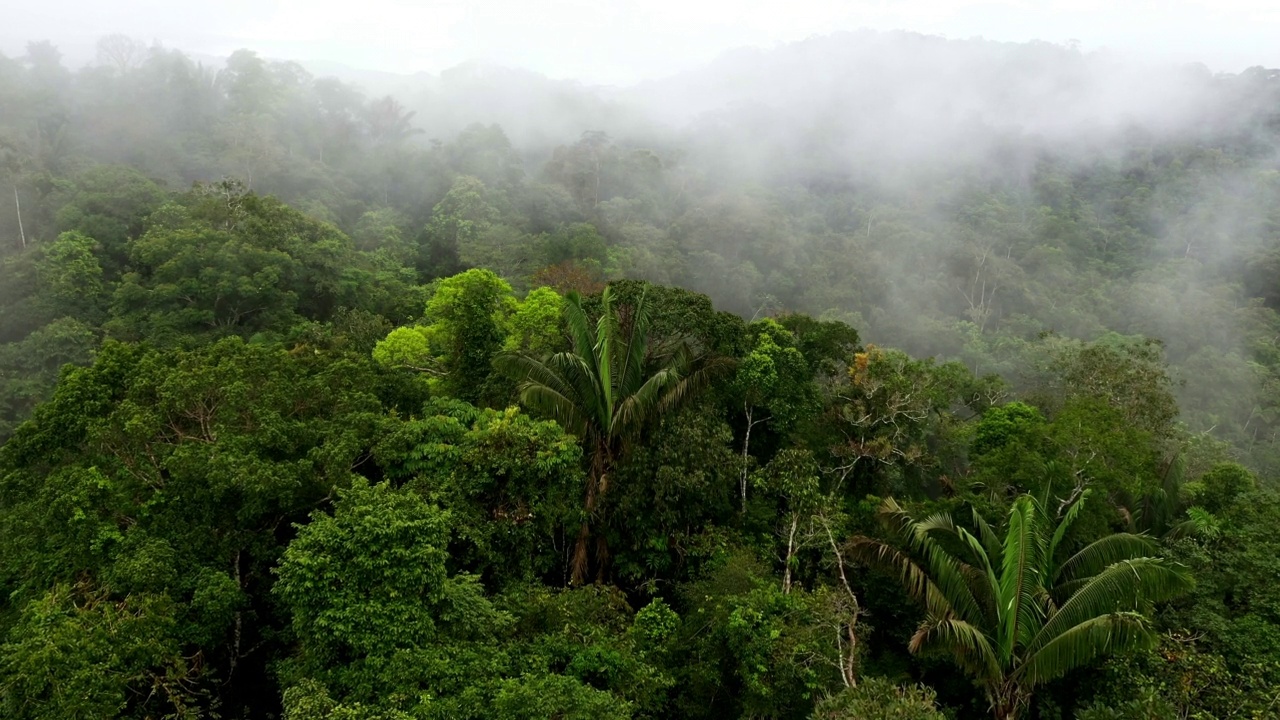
x: 956, y: 198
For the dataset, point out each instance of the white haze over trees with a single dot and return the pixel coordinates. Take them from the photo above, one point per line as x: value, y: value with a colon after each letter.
x: 626, y: 41
x: 937, y: 194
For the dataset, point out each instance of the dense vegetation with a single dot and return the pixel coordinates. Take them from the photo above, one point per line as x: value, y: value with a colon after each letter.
x: 782, y: 411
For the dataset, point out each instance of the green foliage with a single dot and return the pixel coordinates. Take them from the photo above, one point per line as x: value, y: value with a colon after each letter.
x: 774, y: 377
x: 827, y: 345
x: 149, y: 486
x: 667, y: 490
x: 378, y: 617
x: 877, y: 698
x: 1148, y: 707
x: 1127, y: 374
x: 77, y: 653
x: 1218, y: 489
x: 228, y: 263
x: 369, y: 579
x: 1181, y: 677
x: 1016, y: 613
x: 678, y: 312
x: 895, y: 412
x: 29, y: 368
x: 1005, y: 425
x: 71, y: 278
x: 472, y: 316
x: 407, y: 348
x: 610, y: 656
x: 614, y: 382
x: 579, y: 241
x: 511, y: 484
x: 381, y: 231
x: 466, y: 315
x: 457, y: 223
x: 748, y: 648
x: 535, y: 328
x: 109, y: 204
x: 555, y: 696
x: 309, y: 700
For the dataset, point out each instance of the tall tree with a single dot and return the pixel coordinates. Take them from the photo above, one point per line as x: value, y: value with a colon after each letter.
x: 615, y: 381
x: 1016, y: 614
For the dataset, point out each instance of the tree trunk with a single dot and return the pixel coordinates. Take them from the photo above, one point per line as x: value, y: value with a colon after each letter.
x: 1007, y: 702
x: 1006, y: 713
x: 581, y: 556
x: 791, y: 552
x: 597, y: 484
x: 18, y: 206
x: 746, y: 443
x: 239, y: 625
x: 849, y: 662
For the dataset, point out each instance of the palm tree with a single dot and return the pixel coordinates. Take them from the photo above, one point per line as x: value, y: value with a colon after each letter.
x: 1019, y: 613
x: 614, y: 382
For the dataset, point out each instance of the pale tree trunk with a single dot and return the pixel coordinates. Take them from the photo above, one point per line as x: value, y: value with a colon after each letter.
x: 791, y: 553
x: 18, y: 205
x: 746, y: 443
x: 849, y: 661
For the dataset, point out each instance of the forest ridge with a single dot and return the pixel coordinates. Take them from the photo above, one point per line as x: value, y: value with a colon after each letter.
x: 874, y: 376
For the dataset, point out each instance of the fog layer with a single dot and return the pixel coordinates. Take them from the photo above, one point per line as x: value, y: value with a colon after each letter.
x: 957, y: 198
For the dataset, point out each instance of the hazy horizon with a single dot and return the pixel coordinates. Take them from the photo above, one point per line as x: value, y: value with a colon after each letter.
x: 623, y: 43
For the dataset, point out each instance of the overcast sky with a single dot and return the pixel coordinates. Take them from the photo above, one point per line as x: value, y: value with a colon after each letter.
x: 621, y: 41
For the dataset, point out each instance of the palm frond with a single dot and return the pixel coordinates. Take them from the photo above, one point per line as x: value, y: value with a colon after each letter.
x: 635, y: 409
x: 522, y: 368
x: 580, y: 332
x: 966, y: 643
x: 986, y: 584
x: 579, y: 374
x: 1083, y: 643
x: 1020, y: 614
x: 1126, y: 586
x: 558, y: 387
x: 1060, y: 532
x: 978, y: 572
x: 556, y: 406
x: 603, y: 354
x: 914, y: 579
x: 631, y: 374
x: 951, y: 575
x: 1103, y: 552
x: 1200, y: 523
x: 990, y: 542
x: 693, y: 382
x: 896, y: 518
